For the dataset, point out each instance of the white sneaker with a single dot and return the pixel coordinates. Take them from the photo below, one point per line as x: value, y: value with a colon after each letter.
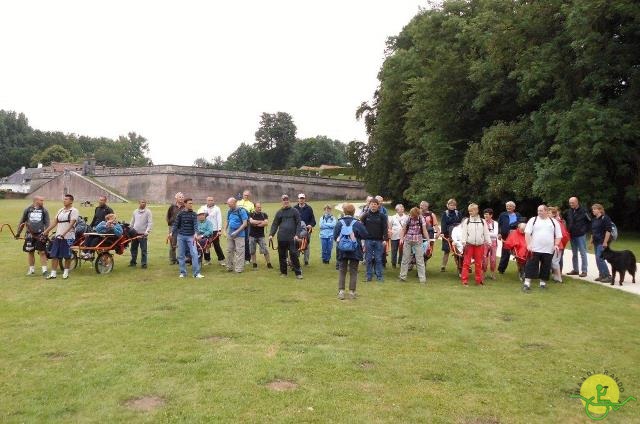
x: 65, y: 276
x: 341, y: 294
x: 31, y: 272
x: 181, y: 276
x: 198, y: 276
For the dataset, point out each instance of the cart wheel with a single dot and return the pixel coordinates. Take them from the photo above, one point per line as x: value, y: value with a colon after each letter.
x: 75, y: 259
x: 104, y: 263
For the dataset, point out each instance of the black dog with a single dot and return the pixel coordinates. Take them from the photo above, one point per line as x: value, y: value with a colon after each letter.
x: 621, y: 262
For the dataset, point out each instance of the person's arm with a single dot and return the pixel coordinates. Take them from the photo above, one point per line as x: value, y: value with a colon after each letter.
x: 312, y: 221
x: 403, y: 230
x: 276, y: 224
x: 208, y: 228
x: 72, y: 225
x: 527, y: 234
x: 607, y: 231
x: 218, y: 218
x: 45, y: 218
x: 168, y: 217
x: 101, y: 227
x: 50, y: 227
x: 149, y: 222
x: 336, y: 231
x: 487, y: 236
x: 176, y: 224
x: 23, y: 222
x: 385, y: 228
x: 117, y: 229
x: 296, y: 219
x: 436, y: 226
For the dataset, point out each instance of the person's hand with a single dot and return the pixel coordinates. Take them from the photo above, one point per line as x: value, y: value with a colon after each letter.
x: 308, y: 227
x: 270, y: 237
x: 296, y: 238
x: 605, y: 244
x: 499, y: 236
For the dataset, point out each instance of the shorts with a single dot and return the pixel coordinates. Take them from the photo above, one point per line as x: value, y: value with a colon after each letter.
x: 61, y: 248
x: 33, y: 243
x: 260, y: 241
x: 445, y: 246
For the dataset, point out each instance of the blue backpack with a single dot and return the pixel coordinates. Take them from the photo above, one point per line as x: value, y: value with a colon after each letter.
x: 347, y: 240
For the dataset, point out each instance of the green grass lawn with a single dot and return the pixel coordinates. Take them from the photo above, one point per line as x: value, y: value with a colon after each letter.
x: 80, y: 350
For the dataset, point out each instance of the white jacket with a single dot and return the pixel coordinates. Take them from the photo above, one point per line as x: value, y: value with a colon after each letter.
x: 475, y: 231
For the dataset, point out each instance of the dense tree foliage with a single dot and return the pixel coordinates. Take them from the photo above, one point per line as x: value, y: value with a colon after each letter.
x: 489, y: 100
x: 316, y: 151
x: 21, y: 145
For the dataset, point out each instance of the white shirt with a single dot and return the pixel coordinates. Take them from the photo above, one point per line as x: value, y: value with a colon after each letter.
x: 65, y: 216
x: 493, y: 229
x: 456, y: 238
x: 542, y: 234
x: 215, y: 216
x: 396, y: 223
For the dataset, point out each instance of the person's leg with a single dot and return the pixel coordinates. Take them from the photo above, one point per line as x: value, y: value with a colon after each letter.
x: 247, y: 253
x: 466, y: 262
x: 295, y: 260
x: 31, y: 259
x: 342, y: 274
x: 252, y: 250
x: 353, y: 274
x: 239, y: 249
x: 493, y: 256
x: 422, y: 277
x: 504, y: 260
x: 582, y: 247
x: 134, y: 251
x: 406, y: 258
x: 192, y: 248
x: 378, y: 253
x: 603, y: 269
x: 307, y: 252
x: 182, y: 251
x: 545, y: 267
x: 478, y: 253
x: 325, y: 249
x: 172, y: 248
x: 394, y: 252
x: 231, y: 253
x: 532, y: 268
x: 574, y: 254
x: 368, y: 257
x: 264, y: 249
x: 218, y: 249
x: 283, y: 250
x: 143, y: 251
x: 43, y: 261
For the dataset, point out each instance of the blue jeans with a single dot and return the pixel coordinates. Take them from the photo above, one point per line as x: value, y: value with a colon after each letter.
x: 327, y: 246
x: 373, y: 257
x: 579, y: 244
x: 142, y: 242
x: 603, y: 269
x: 187, y: 243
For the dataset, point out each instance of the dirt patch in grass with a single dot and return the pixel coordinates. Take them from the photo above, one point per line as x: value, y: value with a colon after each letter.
x: 272, y: 351
x: 216, y: 338
x: 506, y: 317
x: 339, y: 334
x: 367, y: 365
x: 145, y: 403
x: 480, y: 420
x: 435, y: 377
x: 534, y: 346
x: 280, y: 385
x: 289, y: 301
x: 56, y: 356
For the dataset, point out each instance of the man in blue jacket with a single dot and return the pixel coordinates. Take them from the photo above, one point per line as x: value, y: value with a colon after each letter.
x: 306, y: 215
x: 185, y: 226
x: 578, y: 222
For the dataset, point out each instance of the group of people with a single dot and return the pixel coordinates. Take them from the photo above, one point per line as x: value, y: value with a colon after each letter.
x: 366, y: 235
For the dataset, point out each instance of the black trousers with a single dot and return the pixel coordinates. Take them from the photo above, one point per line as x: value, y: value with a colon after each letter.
x: 217, y: 248
x: 247, y: 252
x: 539, y: 264
x: 288, y: 247
x: 504, y: 260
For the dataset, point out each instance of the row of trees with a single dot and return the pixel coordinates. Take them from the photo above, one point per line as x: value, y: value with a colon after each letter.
x: 277, y: 147
x: 21, y: 145
x: 489, y: 100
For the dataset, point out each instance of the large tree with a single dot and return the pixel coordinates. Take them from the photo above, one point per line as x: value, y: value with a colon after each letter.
x: 316, y: 151
x: 275, y: 139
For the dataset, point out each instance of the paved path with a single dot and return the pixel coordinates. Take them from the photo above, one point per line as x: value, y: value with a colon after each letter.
x: 592, y: 273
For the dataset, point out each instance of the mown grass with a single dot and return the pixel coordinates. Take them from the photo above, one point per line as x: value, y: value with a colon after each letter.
x: 79, y: 350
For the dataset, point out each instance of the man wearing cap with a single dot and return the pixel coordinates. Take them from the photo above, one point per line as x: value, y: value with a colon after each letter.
x: 237, y: 221
x: 306, y: 215
x: 286, y: 223
x: 214, y: 215
x: 204, y: 230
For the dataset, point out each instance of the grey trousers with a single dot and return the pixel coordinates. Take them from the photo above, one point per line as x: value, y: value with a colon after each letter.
x: 352, y: 266
x: 235, y: 254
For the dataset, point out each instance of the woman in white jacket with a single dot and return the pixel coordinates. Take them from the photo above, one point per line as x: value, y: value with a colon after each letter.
x: 475, y: 236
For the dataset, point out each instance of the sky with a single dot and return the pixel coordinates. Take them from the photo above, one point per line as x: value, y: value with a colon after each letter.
x: 193, y: 77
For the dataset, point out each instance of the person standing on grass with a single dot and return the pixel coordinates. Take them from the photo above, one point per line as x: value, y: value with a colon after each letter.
x: 377, y: 228
x: 411, y: 236
x: 348, y: 259
x: 507, y: 222
x: 237, y: 222
x: 100, y: 212
x: 307, y: 216
x: 543, y: 237
x: 286, y: 224
x: 601, y: 228
x: 489, y: 258
x: 578, y: 223
x: 248, y: 206
x: 396, y: 224
x: 172, y: 213
x: 35, y: 219
x: 258, y: 221
x: 64, y: 222
x: 450, y: 218
x: 327, y: 224
x: 475, y: 239
x: 141, y: 223
x: 185, y: 227
x: 556, y: 262
x: 214, y: 215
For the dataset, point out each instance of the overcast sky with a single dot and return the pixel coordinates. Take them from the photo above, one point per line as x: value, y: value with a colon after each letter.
x: 193, y: 77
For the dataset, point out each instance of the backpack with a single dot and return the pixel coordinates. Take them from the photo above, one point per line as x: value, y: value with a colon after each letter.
x: 81, y: 226
x: 347, y: 240
x: 614, y: 232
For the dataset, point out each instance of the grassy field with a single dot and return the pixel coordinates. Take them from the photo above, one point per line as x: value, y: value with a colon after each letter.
x: 143, y: 346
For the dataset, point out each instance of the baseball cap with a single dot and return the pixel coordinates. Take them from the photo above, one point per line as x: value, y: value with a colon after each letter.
x: 202, y: 210
x: 285, y: 197
x: 301, y: 196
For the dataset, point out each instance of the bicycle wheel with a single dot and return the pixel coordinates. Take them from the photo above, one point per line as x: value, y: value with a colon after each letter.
x: 104, y: 263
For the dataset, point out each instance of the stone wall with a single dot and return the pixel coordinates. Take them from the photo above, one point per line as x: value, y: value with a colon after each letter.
x: 75, y: 184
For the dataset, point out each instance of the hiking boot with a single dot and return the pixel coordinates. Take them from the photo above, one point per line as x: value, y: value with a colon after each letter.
x: 607, y: 280
x: 132, y: 264
x: 143, y: 266
x: 352, y: 294
x: 441, y: 269
x: 255, y: 266
x: 582, y: 274
x: 599, y: 278
x: 269, y: 265
x: 341, y: 295
x: 574, y: 272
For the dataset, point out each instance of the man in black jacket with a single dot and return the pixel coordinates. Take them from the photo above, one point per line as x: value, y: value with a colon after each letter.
x: 101, y: 211
x: 578, y: 222
x: 377, y: 226
x: 507, y: 221
x: 286, y: 223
